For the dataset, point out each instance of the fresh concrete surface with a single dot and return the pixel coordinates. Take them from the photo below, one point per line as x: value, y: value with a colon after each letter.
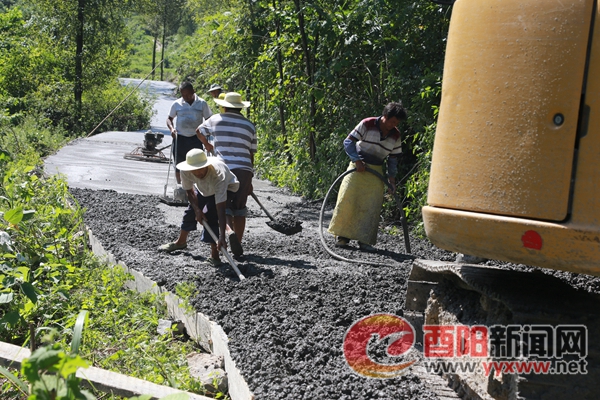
x: 97, y: 163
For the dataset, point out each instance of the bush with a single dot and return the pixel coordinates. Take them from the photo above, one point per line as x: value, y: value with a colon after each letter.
x: 47, y: 275
x: 56, y: 104
x: 34, y: 135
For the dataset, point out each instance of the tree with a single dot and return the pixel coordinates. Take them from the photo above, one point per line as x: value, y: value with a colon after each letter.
x: 94, y: 44
x: 315, y: 68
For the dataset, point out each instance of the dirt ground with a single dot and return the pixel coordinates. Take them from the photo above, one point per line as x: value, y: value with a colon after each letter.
x: 286, y: 322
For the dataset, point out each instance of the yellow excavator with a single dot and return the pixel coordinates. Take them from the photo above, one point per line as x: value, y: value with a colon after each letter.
x: 515, y: 173
x: 515, y: 176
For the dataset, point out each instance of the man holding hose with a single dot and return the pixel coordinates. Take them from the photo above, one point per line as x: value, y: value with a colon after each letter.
x: 357, y: 211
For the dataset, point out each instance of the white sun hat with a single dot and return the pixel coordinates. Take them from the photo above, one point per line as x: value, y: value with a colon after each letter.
x: 195, y: 159
x: 233, y: 100
x: 214, y: 86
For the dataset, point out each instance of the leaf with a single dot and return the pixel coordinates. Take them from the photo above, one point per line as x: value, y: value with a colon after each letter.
x: 6, y: 297
x: 11, y: 318
x: 29, y: 291
x: 14, y: 216
x: 78, y: 331
x: 15, y: 381
x: 70, y: 365
x: 44, y: 358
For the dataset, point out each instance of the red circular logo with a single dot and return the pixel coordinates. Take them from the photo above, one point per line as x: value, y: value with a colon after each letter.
x: 395, y: 333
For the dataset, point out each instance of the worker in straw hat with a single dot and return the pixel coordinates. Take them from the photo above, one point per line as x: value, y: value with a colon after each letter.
x: 215, y: 90
x: 235, y: 142
x: 208, y: 183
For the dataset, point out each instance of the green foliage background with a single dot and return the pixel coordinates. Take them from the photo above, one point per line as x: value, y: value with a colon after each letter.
x: 37, y: 70
x: 314, y: 69
x: 48, y: 275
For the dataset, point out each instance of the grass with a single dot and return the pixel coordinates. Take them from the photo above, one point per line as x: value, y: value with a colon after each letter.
x: 48, y: 276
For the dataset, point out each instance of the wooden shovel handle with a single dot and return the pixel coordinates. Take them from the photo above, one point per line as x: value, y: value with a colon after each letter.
x: 261, y: 206
x: 224, y: 251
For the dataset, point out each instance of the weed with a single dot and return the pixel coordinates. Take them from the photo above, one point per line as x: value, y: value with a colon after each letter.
x: 185, y: 291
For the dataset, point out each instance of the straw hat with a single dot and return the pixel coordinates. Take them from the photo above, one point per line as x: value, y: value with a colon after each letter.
x: 195, y: 159
x: 233, y: 100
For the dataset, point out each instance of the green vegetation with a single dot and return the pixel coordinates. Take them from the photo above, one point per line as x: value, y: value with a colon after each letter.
x: 48, y: 275
x: 138, y: 63
x: 41, y: 75
x: 314, y: 69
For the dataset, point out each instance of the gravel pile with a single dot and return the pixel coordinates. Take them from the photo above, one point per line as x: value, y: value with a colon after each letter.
x: 286, y: 322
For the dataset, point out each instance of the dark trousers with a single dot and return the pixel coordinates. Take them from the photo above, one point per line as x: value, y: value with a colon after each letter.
x: 209, y: 208
x: 185, y: 144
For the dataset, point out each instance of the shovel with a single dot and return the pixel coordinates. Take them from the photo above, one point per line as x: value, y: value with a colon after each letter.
x: 179, y: 194
x: 287, y: 227
x: 168, y: 172
x: 224, y: 252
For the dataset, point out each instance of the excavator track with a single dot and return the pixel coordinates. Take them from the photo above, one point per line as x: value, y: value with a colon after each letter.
x: 445, y: 293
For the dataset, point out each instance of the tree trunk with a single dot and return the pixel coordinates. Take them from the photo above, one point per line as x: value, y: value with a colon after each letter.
x: 164, y: 44
x: 79, y: 60
x: 280, y: 67
x: 307, y: 60
x: 154, y: 53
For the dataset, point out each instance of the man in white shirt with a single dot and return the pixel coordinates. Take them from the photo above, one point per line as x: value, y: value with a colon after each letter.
x: 208, y: 183
x: 187, y: 112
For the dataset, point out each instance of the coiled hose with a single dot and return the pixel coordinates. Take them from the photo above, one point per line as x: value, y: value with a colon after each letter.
x: 402, y: 218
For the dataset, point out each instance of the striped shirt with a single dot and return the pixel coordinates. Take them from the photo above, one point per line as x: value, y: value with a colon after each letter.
x: 370, y: 146
x: 235, y: 139
x: 188, y: 117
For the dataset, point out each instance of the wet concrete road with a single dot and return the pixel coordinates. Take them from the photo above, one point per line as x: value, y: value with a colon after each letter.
x: 97, y: 162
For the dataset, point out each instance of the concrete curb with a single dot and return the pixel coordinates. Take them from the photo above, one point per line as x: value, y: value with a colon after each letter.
x: 207, y: 333
x: 11, y: 356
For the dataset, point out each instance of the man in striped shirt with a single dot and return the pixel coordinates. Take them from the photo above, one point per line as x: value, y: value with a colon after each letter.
x: 235, y: 142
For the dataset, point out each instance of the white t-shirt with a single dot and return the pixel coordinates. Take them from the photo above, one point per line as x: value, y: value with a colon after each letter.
x: 188, y: 117
x: 217, y: 181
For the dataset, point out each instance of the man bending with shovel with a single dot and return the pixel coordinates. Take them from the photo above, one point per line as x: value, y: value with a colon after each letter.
x: 208, y: 183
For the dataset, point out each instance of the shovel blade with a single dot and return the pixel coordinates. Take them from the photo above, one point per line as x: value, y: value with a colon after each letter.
x: 287, y: 227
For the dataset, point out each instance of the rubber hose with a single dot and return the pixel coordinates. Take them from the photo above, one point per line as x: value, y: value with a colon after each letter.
x: 402, y: 218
